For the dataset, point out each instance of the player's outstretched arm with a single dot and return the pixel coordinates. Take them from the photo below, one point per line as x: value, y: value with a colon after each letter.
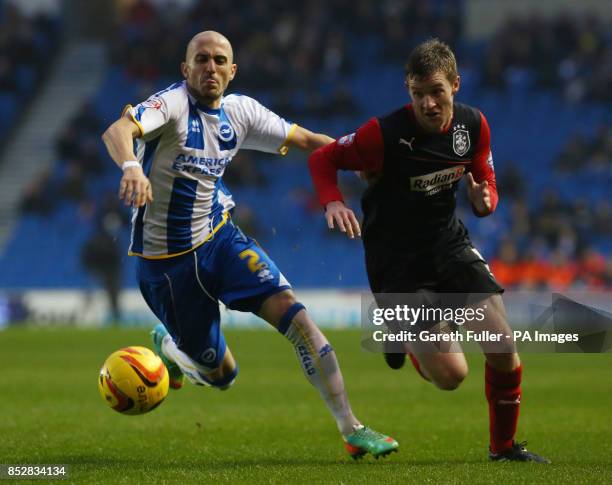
x: 359, y: 151
x: 307, y: 140
x: 134, y: 188
x: 343, y: 217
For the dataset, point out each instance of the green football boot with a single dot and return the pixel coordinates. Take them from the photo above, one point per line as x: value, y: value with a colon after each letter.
x: 176, y: 377
x: 365, y: 440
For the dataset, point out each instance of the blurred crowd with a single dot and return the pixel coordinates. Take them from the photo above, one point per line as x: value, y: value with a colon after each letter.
x: 79, y: 159
x: 541, y: 269
x: 568, y: 52
x: 288, y: 49
x: 303, y: 56
x: 70, y: 184
x: 592, y: 153
x: 27, y: 41
x: 554, y: 243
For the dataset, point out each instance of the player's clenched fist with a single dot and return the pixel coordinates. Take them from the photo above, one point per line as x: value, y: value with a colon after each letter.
x: 344, y: 217
x: 135, y: 188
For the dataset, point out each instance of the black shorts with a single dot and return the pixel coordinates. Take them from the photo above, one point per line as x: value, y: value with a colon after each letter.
x: 451, y: 280
x: 460, y: 271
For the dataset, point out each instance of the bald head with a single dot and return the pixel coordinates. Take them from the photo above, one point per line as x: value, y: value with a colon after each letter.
x: 208, y: 67
x: 209, y: 38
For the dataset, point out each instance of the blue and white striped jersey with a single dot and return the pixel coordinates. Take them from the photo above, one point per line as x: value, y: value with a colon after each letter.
x: 184, y: 148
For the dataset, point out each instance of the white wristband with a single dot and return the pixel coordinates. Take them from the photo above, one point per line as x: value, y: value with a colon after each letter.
x: 130, y: 164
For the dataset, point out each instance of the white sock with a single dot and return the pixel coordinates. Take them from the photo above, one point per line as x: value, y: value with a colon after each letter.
x: 192, y: 370
x: 320, y: 366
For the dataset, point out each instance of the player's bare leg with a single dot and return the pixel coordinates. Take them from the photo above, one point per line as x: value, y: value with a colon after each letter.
x: 502, y: 355
x: 442, y: 363
x: 446, y: 366
x: 320, y: 366
x: 445, y: 371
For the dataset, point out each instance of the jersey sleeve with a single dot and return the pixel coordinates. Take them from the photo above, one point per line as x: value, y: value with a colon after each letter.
x: 482, y: 164
x: 265, y: 130
x: 362, y: 150
x: 149, y: 115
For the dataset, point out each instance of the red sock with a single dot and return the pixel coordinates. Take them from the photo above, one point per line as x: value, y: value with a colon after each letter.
x: 417, y: 366
x: 503, y: 391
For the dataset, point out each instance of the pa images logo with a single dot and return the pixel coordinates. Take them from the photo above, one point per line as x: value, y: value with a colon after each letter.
x: 461, y: 140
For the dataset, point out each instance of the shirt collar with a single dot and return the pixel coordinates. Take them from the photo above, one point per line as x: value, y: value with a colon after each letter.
x: 204, y: 108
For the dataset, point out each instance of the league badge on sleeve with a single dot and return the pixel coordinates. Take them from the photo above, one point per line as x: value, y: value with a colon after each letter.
x: 461, y: 140
x: 346, y: 140
x: 490, y: 160
x: 152, y: 102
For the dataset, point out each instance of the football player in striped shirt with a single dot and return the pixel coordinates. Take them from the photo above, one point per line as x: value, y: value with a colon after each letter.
x: 173, y: 149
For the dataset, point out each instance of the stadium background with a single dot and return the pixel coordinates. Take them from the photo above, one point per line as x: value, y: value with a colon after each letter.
x: 541, y: 75
x: 540, y: 71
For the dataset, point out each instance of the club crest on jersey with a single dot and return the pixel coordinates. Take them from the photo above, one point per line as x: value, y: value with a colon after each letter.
x: 461, y: 140
x: 227, y: 135
x: 226, y: 132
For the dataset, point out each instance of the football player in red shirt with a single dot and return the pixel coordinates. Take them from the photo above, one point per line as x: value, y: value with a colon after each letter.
x: 414, y: 243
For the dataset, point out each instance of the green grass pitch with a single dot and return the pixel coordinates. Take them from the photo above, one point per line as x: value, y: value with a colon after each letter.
x: 271, y: 427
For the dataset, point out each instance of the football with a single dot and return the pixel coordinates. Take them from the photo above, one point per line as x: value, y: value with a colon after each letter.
x: 133, y: 380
